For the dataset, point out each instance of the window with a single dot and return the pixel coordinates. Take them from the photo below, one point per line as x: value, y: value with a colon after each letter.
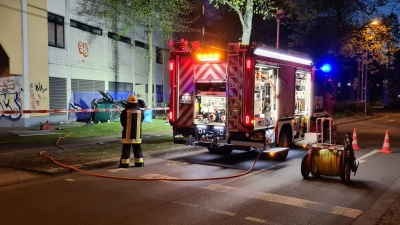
x: 85, y: 27
x: 159, y: 93
x: 117, y: 37
x: 147, y: 89
x: 55, y: 26
x: 159, y: 55
x: 141, y: 44
x: 120, y: 86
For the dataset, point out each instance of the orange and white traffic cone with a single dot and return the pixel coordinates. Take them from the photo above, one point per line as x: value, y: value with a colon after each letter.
x: 355, y: 142
x: 386, y: 144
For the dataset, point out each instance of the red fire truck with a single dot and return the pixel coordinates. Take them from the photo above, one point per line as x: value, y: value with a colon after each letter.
x: 246, y: 97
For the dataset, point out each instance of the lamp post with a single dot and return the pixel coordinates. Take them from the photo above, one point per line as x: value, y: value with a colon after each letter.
x: 365, y: 86
x: 279, y: 16
x: 373, y: 23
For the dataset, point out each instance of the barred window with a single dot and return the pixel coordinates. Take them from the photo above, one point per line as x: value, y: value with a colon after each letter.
x: 159, y: 55
x: 141, y: 44
x: 159, y: 93
x: 55, y: 25
x: 117, y: 37
x: 85, y: 27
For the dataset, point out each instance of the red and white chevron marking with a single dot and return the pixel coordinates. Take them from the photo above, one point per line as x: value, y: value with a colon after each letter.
x: 185, y: 117
x: 7, y: 112
x: 210, y: 72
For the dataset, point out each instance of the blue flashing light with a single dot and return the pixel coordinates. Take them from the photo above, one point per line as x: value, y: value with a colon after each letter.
x: 326, y: 68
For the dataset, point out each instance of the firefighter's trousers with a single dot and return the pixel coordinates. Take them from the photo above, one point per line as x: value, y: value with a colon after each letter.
x: 126, y: 155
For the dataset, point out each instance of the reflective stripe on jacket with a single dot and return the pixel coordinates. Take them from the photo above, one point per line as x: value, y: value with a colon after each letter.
x: 132, y: 133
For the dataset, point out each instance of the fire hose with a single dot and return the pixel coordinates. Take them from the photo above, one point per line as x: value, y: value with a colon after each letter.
x: 43, y: 153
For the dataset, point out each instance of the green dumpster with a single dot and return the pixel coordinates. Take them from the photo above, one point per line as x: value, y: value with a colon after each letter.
x: 102, y: 116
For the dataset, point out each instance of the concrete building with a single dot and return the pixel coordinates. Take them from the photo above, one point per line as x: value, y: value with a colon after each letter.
x: 52, y: 58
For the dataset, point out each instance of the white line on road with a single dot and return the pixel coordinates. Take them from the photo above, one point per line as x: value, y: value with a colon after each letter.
x: 223, y: 212
x: 118, y: 169
x: 292, y: 201
x: 255, y: 219
x: 186, y: 204
x: 367, y: 155
x: 390, y: 121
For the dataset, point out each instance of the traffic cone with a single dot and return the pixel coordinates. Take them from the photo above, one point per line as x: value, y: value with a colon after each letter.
x: 355, y: 142
x: 386, y: 144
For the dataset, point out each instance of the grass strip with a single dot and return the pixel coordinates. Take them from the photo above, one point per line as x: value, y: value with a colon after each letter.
x: 83, y: 131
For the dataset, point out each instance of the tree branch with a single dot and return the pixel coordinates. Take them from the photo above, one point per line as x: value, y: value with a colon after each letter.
x: 238, y: 12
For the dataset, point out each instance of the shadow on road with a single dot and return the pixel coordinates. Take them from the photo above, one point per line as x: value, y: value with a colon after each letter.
x: 240, y: 160
x: 356, y: 184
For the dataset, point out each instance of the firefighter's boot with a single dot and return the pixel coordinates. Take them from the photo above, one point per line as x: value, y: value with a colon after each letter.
x: 125, y: 156
x: 137, y: 153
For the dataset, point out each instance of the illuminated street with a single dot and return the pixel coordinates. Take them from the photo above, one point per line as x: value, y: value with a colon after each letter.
x: 273, y: 193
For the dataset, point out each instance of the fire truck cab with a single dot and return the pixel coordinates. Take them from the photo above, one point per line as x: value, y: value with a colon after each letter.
x: 246, y: 97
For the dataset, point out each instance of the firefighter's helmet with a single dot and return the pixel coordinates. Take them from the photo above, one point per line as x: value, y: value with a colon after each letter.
x: 132, y: 99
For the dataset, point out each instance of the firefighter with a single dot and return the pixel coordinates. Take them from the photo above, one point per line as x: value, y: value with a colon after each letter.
x: 131, y: 121
x: 329, y: 103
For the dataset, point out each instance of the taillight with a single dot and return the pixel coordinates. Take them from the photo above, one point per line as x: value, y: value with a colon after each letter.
x: 171, y: 116
x: 171, y: 65
x: 247, y: 120
x: 248, y: 63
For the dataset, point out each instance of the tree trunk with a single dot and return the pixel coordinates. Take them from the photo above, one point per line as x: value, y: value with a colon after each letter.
x: 150, y: 75
x: 246, y: 35
x: 247, y: 22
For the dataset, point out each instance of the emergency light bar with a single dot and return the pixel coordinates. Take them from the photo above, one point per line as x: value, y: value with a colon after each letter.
x: 281, y: 56
x: 207, y: 57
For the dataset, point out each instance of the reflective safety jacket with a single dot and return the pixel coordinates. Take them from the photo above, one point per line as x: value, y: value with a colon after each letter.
x: 131, y: 121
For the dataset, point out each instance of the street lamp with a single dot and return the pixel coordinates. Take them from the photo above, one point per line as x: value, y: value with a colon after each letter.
x: 374, y: 23
x: 279, y: 16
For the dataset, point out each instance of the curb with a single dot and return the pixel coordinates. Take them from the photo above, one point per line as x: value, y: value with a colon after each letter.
x: 357, y: 120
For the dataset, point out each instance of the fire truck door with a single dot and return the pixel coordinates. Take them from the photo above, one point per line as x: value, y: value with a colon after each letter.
x: 286, y: 91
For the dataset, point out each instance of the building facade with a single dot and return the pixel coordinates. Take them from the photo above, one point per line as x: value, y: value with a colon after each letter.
x: 52, y: 58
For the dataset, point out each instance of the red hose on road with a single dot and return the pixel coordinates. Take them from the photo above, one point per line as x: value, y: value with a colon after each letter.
x: 43, y: 153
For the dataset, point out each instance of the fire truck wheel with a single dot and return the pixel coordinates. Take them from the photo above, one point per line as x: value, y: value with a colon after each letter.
x: 282, y: 155
x: 284, y: 139
x: 305, y: 170
x: 219, y: 151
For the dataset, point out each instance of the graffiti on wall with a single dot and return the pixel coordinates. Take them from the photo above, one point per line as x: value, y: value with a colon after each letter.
x: 11, y: 89
x: 37, y: 95
x: 83, y: 49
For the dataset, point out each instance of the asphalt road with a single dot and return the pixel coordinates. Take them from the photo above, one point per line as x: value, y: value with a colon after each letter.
x: 273, y: 193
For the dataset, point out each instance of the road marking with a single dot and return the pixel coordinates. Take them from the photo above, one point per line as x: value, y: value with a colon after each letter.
x: 70, y: 180
x: 118, y: 169
x: 366, y: 155
x: 186, y: 204
x: 223, y: 212
x: 292, y: 201
x: 390, y: 121
x: 255, y: 219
